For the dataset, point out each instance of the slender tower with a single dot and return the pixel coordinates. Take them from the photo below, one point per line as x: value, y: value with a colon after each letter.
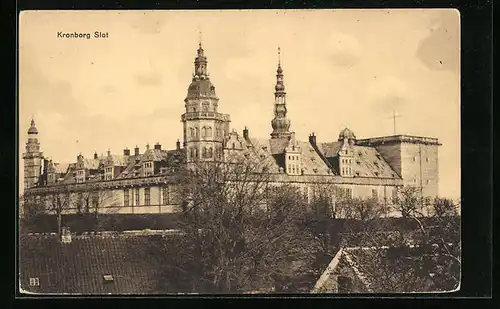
x: 280, y: 123
x: 204, y: 127
x: 32, y: 158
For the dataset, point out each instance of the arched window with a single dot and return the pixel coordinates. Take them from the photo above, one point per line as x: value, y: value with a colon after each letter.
x: 197, y: 132
x: 204, y: 152
x: 191, y: 132
x: 205, y: 106
x: 204, y: 132
x: 210, y: 152
x: 209, y: 132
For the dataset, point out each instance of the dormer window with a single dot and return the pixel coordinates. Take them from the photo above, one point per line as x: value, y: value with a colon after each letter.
x: 34, y: 281
x: 108, y: 278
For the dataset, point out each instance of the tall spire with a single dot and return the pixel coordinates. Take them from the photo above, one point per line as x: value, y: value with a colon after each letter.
x: 200, y: 63
x: 280, y: 123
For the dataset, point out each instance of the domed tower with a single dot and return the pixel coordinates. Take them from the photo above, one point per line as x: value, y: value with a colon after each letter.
x: 346, y: 152
x: 280, y: 123
x: 32, y: 158
x: 204, y: 127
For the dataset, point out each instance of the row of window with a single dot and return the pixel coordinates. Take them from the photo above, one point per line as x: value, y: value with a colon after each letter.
x: 293, y: 158
x: 205, y: 132
x: 293, y: 169
x: 415, y: 159
x: 347, y: 161
x: 131, y: 195
x: 206, y: 152
x: 205, y: 106
x: 347, y: 171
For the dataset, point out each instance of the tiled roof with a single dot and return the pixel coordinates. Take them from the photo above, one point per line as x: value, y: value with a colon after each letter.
x: 346, y: 262
x: 329, y: 149
x: 61, y: 168
x: 311, y: 161
x: 369, y: 163
x: 367, y: 160
x: 79, y: 267
x: 262, y: 149
x: 119, y: 160
x: 92, y: 164
x: 272, y: 150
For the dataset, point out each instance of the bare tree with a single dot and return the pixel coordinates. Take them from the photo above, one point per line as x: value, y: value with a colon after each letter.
x: 30, y: 209
x: 58, y: 203
x: 240, y: 232
x: 92, y: 203
x: 418, y: 252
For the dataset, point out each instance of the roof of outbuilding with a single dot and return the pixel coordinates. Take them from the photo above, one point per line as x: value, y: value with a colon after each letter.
x: 79, y: 267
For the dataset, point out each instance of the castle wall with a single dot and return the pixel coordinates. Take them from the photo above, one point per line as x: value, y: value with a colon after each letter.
x: 420, y: 167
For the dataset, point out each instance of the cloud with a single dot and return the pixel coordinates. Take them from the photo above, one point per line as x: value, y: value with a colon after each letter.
x: 440, y: 49
x: 343, y: 49
x: 149, y: 79
x: 389, y: 103
x: 108, y: 89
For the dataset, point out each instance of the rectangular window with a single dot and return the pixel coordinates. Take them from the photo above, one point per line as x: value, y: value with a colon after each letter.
x: 137, y: 196
x: 34, y: 281
x: 147, y: 200
x: 125, y: 197
x: 164, y: 192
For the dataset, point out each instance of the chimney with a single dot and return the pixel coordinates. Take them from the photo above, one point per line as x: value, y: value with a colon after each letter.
x: 66, y: 235
x: 245, y: 133
x: 109, y: 152
x: 136, y: 150
x: 95, y: 155
x: 178, y: 145
x: 158, y: 146
x: 126, y: 152
x: 312, y: 139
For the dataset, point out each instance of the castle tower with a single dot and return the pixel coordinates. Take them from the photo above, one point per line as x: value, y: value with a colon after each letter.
x: 32, y: 158
x: 204, y: 127
x: 280, y: 123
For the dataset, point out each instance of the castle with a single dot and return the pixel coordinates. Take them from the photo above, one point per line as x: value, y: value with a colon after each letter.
x: 146, y: 183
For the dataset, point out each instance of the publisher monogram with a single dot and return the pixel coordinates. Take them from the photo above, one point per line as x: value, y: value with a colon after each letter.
x: 82, y: 35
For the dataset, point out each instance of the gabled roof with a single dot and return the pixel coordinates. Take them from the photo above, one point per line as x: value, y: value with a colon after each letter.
x: 346, y: 262
x: 311, y: 161
x: 131, y: 264
x: 118, y: 160
x: 93, y: 164
x: 367, y: 160
x: 61, y: 168
x: 369, y: 163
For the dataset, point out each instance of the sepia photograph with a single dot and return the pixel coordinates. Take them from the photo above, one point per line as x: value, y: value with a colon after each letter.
x: 205, y: 152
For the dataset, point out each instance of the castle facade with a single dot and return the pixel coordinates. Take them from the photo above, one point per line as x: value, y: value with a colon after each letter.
x: 146, y: 182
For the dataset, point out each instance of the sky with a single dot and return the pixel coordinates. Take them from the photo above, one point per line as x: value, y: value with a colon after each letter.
x: 342, y: 68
